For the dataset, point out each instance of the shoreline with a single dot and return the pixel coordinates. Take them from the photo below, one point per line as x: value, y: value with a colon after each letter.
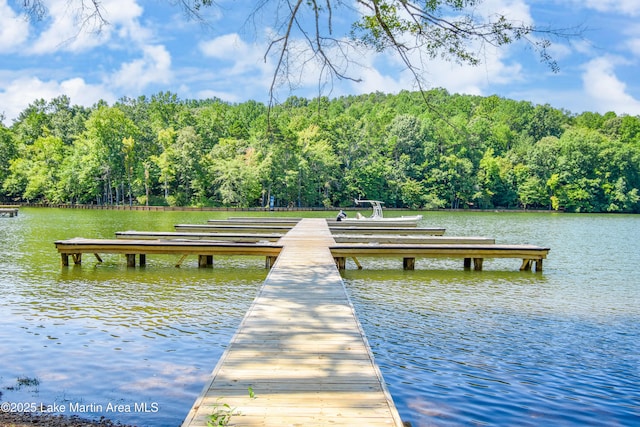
x: 30, y: 419
x: 274, y: 210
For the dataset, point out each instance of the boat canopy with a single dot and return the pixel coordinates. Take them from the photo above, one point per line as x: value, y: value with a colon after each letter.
x: 376, y: 205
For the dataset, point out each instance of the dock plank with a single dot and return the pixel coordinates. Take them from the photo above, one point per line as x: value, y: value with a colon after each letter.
x: 410, y: 239
x: 218, y: 228
x: 374, y: 231
x: 287, y: 222
x: 177, y: 235
x: 300, y: 348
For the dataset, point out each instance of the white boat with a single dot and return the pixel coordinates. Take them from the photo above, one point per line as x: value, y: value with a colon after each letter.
x: 377, y: 216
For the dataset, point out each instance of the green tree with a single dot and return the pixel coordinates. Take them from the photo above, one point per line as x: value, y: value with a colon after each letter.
x: 8, y: 151
x: 107, y: 128
x: 187, y: 157
x: 38, y: 169
x: 235, y: 168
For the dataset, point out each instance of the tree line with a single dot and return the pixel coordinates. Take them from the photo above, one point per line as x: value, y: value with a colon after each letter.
x: 414, y: 149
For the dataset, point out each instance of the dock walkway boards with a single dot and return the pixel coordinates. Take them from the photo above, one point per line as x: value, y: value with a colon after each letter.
x: 300, y: 348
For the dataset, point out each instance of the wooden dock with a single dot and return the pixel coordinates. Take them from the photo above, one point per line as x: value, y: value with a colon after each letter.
x: 287, y: 222
x: 231, y: 228
x: 205, y: 250
x: 381, y: 229
x: 475, y: 253
x: 183, y: 235
x: 300, y: 348
x: 10, y: 212
x: 411, y: 239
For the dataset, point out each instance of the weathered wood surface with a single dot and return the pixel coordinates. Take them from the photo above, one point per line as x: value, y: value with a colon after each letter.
x: 178, y: 235
x: 470, y: 252
x: 410, y: 239
x: 264, y: 218
x: 400, y: 231
x: 255, y: 221
x: 300, y: 348
x: 215, y: 228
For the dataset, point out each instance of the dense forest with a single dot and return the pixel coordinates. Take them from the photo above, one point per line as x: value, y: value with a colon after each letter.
x: 418, y: 150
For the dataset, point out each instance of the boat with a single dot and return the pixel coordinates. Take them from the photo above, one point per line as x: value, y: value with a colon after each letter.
x: 377, y: 216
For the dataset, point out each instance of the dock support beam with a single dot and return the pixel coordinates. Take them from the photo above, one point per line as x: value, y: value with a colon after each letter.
x: 341, y: 262
x: 205, y: 261
x: 64, y: 258
x: 526, y: 264
x: 409, y: 263
x: 269, y: 261
x: 131, y: 260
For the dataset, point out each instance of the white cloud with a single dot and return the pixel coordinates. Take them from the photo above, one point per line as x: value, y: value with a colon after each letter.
x: 513, y: 10
x: 14, y: 29
x: 238, y: 64
x: 74, y: 29
x: 607, y: 91
x: 224, y: 47
x: 629, y: 7
x: 21, y: 92
x: 153, y: 67
x: 226, y: 96
x: 634, y: 46
x: 230, y: 48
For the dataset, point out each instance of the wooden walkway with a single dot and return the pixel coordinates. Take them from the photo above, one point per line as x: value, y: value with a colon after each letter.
x: 177, y: 235
x: 300, y: 348
x: 204, y: 249
x: 381, y: 229
x: 238, y: 228
x: 470, y: 252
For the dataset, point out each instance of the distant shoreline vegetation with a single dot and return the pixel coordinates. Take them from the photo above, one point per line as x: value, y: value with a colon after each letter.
x: 448, y: 152
x: 259, y: 209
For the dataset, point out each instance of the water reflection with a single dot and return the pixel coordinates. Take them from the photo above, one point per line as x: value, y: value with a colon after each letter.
x: 102, y: 333
x: 501, y: 348
x: 497, y: 347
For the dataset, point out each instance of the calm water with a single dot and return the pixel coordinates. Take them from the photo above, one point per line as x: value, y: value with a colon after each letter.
x: 496, y: 348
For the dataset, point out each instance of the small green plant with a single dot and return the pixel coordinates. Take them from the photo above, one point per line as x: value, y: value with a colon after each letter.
x: 221, y: 415
x: 222, y: 412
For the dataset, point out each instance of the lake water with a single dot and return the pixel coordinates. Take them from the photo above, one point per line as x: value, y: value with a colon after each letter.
x: 493, y: 348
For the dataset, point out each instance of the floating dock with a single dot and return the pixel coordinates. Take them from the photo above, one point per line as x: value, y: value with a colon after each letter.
x: 372, y: 230
x: 130, y: 248
x: 471, y: 253
x: 217, y: 237
x: 300, y: 348
x: 234, y: 228
x: 10, y: 212
x: 221, y: 238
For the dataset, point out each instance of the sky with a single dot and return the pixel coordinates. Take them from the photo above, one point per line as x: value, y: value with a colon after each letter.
x: 151, y: 46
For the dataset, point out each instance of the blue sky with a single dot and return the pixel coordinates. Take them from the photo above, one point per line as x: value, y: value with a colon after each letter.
x: 151, y: 46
